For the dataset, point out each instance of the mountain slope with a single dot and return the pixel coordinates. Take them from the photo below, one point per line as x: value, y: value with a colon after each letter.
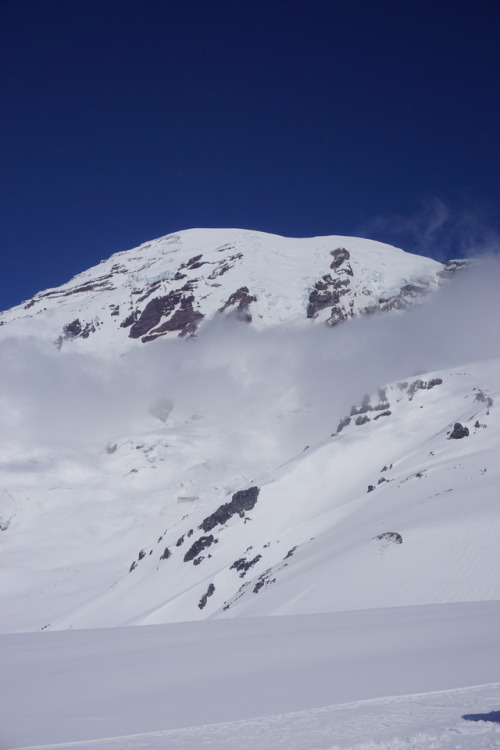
x: 169, y: 286
x: 228, y: 474
x: 310, y: 537
x: 304, y: 539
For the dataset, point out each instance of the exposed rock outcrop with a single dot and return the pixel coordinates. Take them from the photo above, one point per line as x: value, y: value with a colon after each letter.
x: 242, y: 565
x: 422, y: 385
x: 459, y: 431
x: 451, y: 267
x: 241, y: 501
x: 239, y: 302
x: 344, y: 422
x: 177, y: 306
x: 340, y: 258
x: 202, y: 543
x: 327, y: 293
x: 203, y: 601
x: 403, y: 299
x: 76, y: 330
x: 390, y: 536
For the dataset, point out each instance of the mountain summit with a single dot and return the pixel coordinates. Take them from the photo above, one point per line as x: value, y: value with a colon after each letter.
x: 172, y: 285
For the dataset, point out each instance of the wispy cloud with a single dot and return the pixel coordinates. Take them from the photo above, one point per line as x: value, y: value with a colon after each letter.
x: 437, y: 230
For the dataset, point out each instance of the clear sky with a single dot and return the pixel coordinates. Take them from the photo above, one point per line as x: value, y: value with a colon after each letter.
x: 123, y: 120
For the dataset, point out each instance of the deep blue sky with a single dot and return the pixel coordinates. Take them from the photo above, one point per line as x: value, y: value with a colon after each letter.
x: 123, y: 120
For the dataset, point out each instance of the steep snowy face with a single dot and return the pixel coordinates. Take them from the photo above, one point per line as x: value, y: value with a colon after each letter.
x: 170, y: 286
x: 397, y: 506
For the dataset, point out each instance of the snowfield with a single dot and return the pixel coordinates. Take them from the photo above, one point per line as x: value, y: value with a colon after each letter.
x: 277, y: 459
x: 155, y: 681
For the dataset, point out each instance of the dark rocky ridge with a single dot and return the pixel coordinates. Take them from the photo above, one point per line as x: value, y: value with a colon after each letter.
x: 242, y: 565
x: 203, y: 601
x: 178, y: 304
x: 328, y: 290
x: 241, y: 501
x: 422, y: 385
x: 327, y: 293
x: 201, y: 544
x: 240, y: 301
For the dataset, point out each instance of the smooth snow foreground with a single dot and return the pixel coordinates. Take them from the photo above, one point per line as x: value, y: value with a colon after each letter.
x: 167, y: 682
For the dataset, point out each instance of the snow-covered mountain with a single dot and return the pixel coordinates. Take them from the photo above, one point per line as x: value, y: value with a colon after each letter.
x: 223, y: 426
x: 170, y: 286
x: 271, y: 502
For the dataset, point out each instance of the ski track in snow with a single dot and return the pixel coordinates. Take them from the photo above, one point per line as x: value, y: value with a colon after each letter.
x: 461, y: 719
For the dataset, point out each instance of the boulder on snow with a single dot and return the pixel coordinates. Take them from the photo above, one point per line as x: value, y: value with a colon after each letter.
x: 390, y: 536
x: 459, y: 431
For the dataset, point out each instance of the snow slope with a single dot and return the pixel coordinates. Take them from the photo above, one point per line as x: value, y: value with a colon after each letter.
x: 77, y: 686
x: 309, y: 543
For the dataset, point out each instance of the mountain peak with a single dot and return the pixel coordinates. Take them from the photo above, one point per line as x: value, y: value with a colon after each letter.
x: 172, y: 285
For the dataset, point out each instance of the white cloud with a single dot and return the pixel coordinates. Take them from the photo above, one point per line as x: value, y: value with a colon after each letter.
x: 437, y: 230
x: 271, y: 392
